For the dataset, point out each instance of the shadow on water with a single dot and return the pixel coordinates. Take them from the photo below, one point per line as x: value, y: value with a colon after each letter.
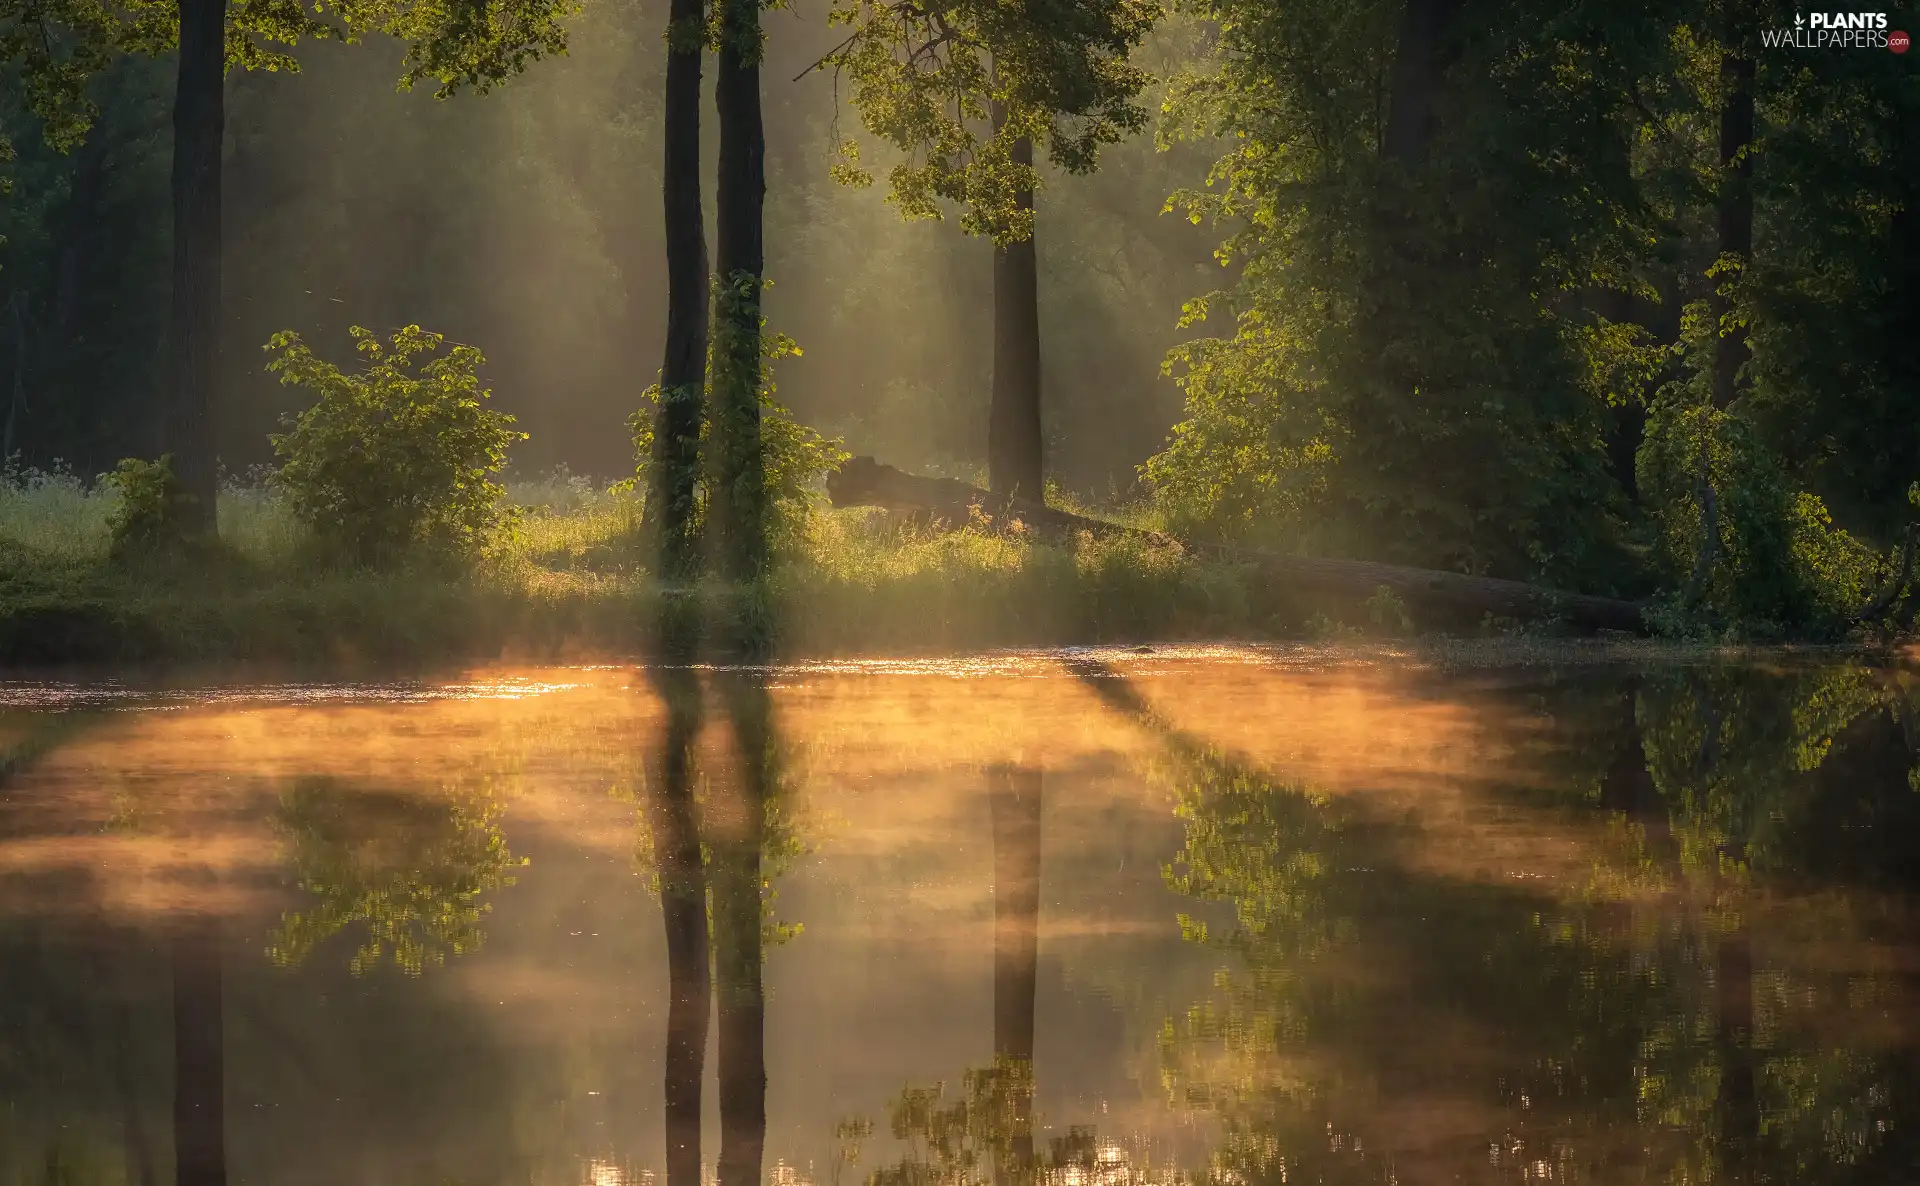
x: 1387, y: 1022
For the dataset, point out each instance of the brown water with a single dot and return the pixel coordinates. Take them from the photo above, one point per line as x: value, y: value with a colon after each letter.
x: 1230, y: 916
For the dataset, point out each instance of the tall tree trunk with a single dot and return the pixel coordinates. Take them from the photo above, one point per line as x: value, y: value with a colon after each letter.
x: 683, y: 913
x: 737, y: 840
x: 739, y: 496
x: 76, y: 235
x: 1014, y: 800
x: 1416, y: 80
x: 1735, y: 202
x: 199, y: 1056
x: 683, y: 373
x: 1016, y: 449
x: 199, y: 121
x: 19, y: 393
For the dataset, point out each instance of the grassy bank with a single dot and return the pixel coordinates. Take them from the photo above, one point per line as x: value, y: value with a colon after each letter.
x: 572, y: 581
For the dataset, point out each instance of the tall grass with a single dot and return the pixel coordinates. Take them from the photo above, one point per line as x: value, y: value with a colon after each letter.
x: 570, y: 575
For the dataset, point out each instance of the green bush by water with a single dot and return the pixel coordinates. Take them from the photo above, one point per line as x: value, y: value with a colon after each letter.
x: 395, y: 460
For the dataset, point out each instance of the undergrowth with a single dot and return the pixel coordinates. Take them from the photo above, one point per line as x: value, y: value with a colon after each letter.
x: 571, y: 578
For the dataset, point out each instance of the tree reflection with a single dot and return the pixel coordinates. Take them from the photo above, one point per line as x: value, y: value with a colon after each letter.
x: 715, y: 856
x: 674, y: 826
x: 1367, y: 998
x: 1014, y: 800
x: 412, y: 867
x: 984, y: 1134
x: 199, y: 1054
x: 739, y: 832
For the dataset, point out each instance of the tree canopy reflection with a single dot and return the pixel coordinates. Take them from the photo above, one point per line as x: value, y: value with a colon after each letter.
x: 1374, y: 1020
x: 411, y: 867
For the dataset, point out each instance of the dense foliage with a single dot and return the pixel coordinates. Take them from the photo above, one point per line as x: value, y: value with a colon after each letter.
x: 397, y: 457
x: 148, y: 515
x: 1488, y: 318
x: 1450, y: 358
x: 797, y: 457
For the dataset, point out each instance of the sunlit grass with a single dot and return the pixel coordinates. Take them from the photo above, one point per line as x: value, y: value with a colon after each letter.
x: 570, y: 575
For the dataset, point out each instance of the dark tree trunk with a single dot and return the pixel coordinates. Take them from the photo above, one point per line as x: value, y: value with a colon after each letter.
x: 18, y: 393
x: 1013, y: 798
x: 1411, y: 104
x: 199, y: 119
x: 676, y: 445
x: 76, y: 235
x: 739, y: 497
x: 738, y: 836
x: 683, y: 912
x: 199, y: 1056
x: 1015, y: 447
x: 1735, y: 202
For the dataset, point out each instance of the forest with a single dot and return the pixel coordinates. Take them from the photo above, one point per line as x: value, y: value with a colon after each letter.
x: 1230, y: 315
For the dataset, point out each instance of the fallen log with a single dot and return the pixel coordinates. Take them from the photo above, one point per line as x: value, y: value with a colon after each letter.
x: 865, y: 482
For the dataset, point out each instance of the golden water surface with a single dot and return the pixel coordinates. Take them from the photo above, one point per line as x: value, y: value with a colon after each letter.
x: 1219, y: 915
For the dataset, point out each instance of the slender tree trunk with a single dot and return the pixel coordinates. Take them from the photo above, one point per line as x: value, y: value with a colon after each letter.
x: 683, y: 373
x: 683, y: 913
x: 1016, y: 449
x: 1735, y: 202
x: 739, y: 938
x: 199, y: 1056
x: 75, y: 237
x: 1411, y: 103
x: 1014, y: 800
x: 19, y: 393
x: 739, y: 496
x: 199, y: 118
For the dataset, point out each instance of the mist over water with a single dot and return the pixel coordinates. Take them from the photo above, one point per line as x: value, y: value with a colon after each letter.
x: 1183, y: 917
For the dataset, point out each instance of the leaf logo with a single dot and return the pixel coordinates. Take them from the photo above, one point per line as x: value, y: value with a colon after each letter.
x: 1799, y: 21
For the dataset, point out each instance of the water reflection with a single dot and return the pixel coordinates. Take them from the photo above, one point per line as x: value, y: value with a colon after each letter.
x: 1094, y: 919
x: 676, y: 848
x: 199, y: 1055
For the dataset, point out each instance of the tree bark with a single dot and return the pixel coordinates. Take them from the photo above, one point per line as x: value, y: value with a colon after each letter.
x: 19, y: 393
x: 199, y: 122
x: 739, y: 495
x: 199, y: 1056
x: 683, y: 914
x: 1416, y: 80
x: 1735, y: 205
x: 865, y: 482
x: 683, y: 372
x: 1016, y: 449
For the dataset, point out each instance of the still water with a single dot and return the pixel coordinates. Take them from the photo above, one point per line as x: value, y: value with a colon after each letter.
x: 1230, y: 917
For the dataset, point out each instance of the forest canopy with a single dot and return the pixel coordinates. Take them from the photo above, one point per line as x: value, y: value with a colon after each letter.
x: 1616, y: 297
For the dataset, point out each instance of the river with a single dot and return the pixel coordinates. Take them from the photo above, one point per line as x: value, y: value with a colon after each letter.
x: 1224, y: 915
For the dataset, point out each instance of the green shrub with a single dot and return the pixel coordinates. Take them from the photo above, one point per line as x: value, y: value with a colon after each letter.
x: 396, y: 459
x: 797, y: 458
x: 151, y: 513
x: 1741, y: 548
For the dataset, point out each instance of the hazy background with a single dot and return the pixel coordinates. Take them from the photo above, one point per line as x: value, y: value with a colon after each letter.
x: 527, y: 222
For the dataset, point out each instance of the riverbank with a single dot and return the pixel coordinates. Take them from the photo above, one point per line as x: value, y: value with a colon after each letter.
x: 571, y: 581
